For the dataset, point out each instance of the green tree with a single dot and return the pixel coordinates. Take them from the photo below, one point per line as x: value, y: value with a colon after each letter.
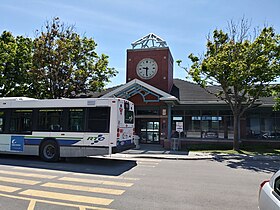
x: 15, y: 62
x: 243, y: 67
x: 66, y: 64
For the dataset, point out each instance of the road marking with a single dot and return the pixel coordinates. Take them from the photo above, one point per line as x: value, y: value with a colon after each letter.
x: 28, y: 174
x: 54, y: 202
x: 148, y: 166
x: 143, y: 160
x: 31, y: 205
x: 107, y: 177
x: 67, y: 197
x: 41, y: 170
x: 83, y: 188
x: 4, y: 188
x: 151, y: 163
x: 93, y: 181
x: 18, y: 181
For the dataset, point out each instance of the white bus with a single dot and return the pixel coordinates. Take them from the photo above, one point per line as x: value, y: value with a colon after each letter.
x: 55, y: 128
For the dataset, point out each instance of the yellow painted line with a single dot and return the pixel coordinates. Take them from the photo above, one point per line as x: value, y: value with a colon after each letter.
x: 83, y: 188
x: 18, y: 181
x: 4, y: 188
x: 82, y: 208
x: 54, y: 202
x: 107, y: 177
x: 67, y: 197
x: 40, y: 170
x: 31, y: 205
x: 93, y: 181
x: 28, y: 174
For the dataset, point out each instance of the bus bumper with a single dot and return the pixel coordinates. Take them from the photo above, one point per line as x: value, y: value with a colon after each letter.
x: 121, y: 148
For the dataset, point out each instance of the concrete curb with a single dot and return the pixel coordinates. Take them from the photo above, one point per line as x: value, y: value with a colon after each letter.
x: 173, y: 158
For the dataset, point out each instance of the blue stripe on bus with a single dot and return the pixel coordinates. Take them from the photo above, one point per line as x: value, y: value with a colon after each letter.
x: 32, y: 141
x: 64, y: 142
x: 67, y: 142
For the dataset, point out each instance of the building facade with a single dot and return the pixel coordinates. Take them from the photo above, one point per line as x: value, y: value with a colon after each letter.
x: 167, y: 108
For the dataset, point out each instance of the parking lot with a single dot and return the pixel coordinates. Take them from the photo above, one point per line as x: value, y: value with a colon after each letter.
x: 31, y: 184
x: 141, y: 183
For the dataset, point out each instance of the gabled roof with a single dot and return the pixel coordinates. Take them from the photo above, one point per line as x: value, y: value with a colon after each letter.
x: 187, y: 93
x: 139, y: 87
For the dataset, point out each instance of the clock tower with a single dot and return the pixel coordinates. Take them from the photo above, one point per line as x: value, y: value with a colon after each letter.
x: 150, y: 61
x: 149, y: 81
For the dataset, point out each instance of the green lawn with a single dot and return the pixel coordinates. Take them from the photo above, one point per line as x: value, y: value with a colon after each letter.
x: 246, y: 150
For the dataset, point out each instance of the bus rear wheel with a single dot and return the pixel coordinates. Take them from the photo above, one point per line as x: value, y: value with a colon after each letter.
x: 49, y: 151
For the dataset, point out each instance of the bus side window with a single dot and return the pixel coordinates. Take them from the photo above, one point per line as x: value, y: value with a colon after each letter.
x: 56, y: 128
x: 21, y: 121
x: 76, y: 119
x: 99, y: 119
x: 1, y: 122
x: 50, y: 119
x: 75, y: 128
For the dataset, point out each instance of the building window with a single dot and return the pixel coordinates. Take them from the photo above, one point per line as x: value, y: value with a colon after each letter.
x: 208, y: 124
x: 263, y: 125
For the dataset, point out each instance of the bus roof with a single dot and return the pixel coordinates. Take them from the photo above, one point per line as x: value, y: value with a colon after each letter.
x: 25, y: 102
x: 16, y: 99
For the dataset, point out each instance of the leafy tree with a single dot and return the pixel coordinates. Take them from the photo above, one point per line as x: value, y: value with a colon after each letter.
x: 244, y: 67
x: 66, y: 64
x: 15, y: 61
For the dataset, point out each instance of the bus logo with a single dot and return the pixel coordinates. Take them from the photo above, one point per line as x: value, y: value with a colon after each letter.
x: 17, y: 143
x: 96, y: 139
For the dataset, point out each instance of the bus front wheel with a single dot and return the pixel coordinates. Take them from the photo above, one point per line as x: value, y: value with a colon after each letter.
x: 49, y: 151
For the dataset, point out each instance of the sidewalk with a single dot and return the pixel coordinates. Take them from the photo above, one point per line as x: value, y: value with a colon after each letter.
x: 158, y: 152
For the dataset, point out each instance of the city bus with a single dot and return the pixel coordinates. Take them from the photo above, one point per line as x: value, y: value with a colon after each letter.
x: 55, y: 128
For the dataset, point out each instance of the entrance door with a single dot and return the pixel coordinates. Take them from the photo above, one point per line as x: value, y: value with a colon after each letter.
x: 149, y: 131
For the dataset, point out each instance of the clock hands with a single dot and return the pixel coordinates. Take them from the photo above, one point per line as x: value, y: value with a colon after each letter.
x: 147, y: 68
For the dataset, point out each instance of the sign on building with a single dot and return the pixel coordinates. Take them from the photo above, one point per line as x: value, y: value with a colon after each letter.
x: 179, y: 127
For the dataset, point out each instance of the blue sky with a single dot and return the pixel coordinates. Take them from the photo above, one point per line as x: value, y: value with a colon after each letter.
x: 115, y: 24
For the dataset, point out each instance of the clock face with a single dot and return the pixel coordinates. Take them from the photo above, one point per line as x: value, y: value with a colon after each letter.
x: 147, y: 68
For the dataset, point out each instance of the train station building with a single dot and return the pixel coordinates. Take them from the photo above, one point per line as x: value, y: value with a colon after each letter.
x: 167, y: 108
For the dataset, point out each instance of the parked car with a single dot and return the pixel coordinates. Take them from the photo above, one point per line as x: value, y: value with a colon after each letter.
x: 269, y: 193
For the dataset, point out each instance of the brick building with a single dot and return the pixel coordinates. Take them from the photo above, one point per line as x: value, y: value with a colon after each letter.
x: 164, y: 104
